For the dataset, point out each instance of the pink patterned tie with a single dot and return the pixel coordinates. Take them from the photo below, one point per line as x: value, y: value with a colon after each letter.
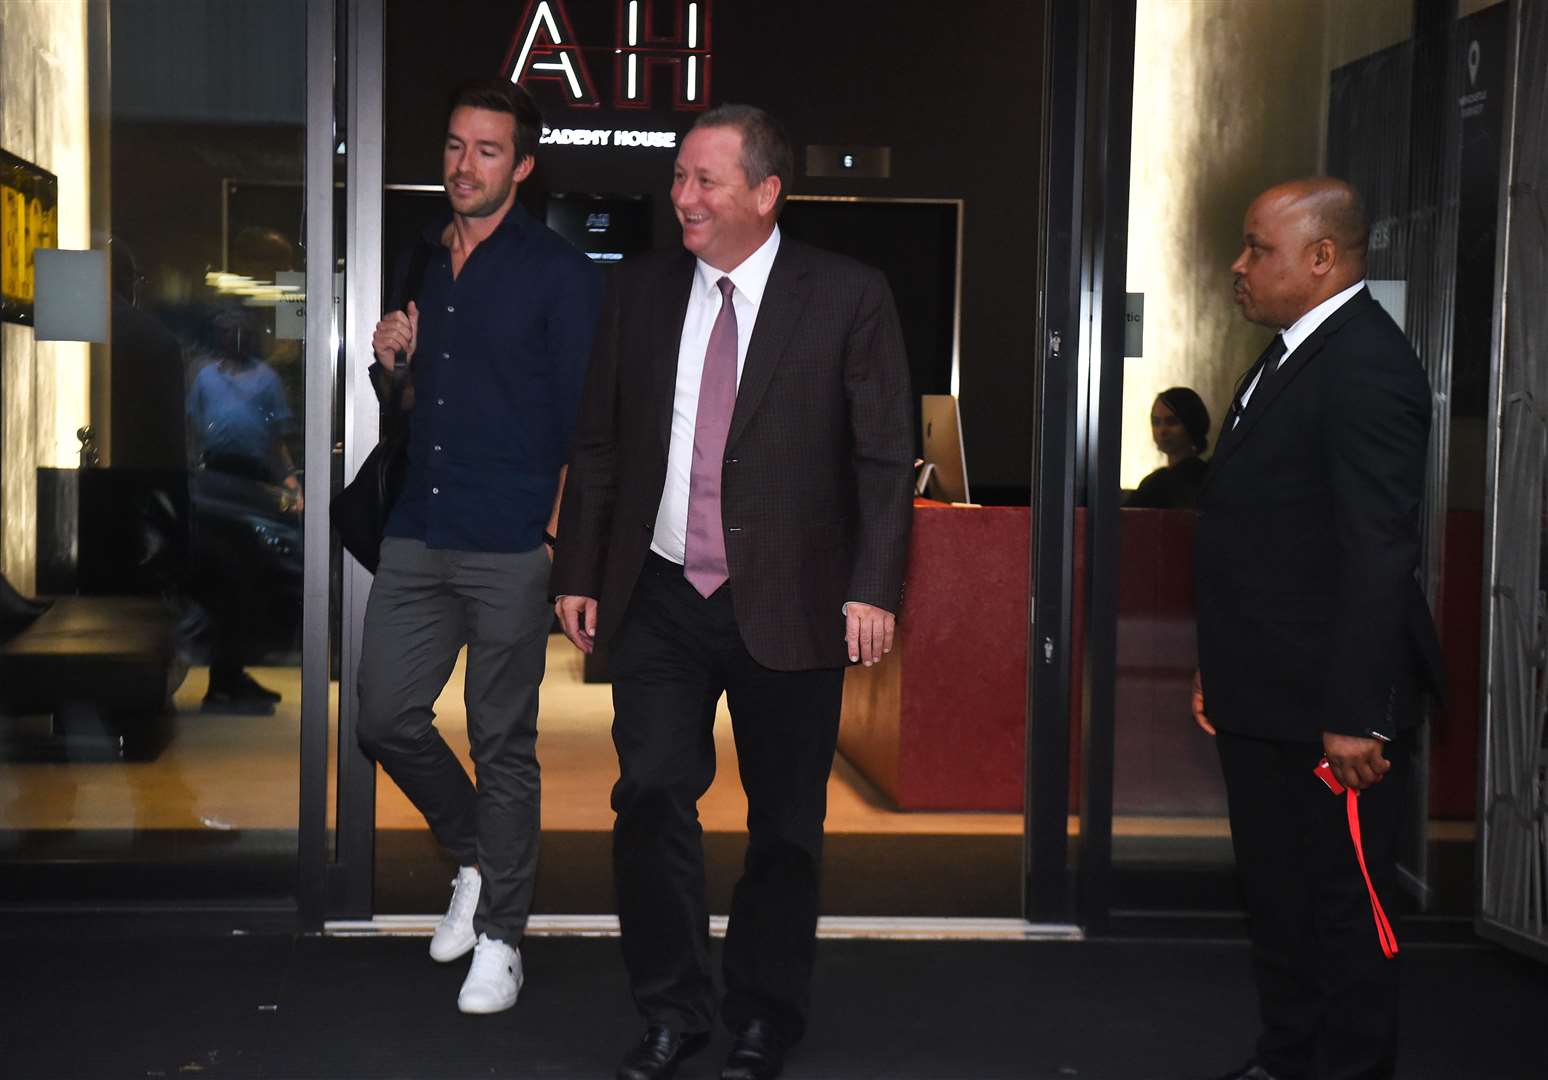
x: 704, y: 553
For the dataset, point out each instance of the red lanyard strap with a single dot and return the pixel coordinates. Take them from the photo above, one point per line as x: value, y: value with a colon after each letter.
x: 1389, y: 945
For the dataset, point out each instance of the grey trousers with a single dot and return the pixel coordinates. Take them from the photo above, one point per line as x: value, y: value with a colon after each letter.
x: 424, y: 606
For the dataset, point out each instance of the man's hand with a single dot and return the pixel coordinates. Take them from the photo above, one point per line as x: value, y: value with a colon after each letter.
x: 1357, y: 762
x: 868, y: 632
x: 398, y: 332
x: 1197, y: 704
x: 578, y: 618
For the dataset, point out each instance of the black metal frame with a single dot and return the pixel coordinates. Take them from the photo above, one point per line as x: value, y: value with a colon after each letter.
x: 352, y: 874
x: 1089, y: 79
x: 1088, y: 73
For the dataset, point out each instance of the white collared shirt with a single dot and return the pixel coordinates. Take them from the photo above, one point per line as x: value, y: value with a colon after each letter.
x: 704, y: 299
x: 1302, y: 329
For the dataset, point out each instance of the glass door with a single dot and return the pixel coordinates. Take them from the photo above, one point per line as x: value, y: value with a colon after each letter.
x: 1407, y: 108
x: 898, y: 837
x: 160, y: 477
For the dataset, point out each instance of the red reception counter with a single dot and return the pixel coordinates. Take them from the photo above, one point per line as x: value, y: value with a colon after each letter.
x: 941, y: 724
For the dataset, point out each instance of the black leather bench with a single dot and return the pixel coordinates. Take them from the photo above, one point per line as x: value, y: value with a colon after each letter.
x: 102, y: 667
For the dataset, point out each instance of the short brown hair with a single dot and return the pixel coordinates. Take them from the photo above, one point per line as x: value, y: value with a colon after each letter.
x: 502, y: 95
x: 765, y: 147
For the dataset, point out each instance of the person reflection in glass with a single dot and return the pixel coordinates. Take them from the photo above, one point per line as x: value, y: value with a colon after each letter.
x: 1179, y: 423
x: 239, y: 415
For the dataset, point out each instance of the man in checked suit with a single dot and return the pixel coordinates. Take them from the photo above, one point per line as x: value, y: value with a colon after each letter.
x: 736, y: 519
x: 1314, y: 636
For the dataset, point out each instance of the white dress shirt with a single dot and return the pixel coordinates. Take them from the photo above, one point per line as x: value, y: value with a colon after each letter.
x: 704, y: 300
x: 1302, y: 329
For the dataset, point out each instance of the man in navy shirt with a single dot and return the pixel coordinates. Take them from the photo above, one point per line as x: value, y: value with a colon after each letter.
x: 494, y: 342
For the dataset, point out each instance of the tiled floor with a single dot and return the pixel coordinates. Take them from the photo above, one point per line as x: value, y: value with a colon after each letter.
x: 240, y: 772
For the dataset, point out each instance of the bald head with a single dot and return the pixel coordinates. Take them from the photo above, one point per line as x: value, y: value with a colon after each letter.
x: 1328, y: 207
x: 1302, y: 242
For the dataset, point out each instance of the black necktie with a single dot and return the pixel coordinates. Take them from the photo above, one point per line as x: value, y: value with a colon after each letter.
x: 1268, y: 366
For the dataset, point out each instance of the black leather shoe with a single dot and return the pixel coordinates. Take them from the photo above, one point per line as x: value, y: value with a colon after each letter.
x: 1250, y: 1071
x: 659, y: 1053
x: 759, y: 1053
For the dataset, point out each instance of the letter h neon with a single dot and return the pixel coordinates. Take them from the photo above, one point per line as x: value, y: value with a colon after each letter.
x: 639, y: 51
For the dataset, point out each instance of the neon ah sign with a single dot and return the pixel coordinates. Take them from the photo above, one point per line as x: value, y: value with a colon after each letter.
x: 545, y: 49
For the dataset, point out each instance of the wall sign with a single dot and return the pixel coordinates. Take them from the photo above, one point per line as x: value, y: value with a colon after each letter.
x: 29, y: 219
x: 545, y: 48
x: 660, y: 140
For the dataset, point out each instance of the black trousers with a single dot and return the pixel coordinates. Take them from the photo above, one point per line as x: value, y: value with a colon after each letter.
x: 1327, y: 993
x: 672, y: 657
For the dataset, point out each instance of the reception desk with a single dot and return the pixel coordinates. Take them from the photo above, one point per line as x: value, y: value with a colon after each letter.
x: 941, y: 724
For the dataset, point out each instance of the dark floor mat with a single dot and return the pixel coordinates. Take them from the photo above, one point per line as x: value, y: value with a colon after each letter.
x: 376, y: 1008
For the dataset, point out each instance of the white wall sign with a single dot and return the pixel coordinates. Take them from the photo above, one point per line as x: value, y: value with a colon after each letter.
x: 652, y: 140
x: 545, y: 48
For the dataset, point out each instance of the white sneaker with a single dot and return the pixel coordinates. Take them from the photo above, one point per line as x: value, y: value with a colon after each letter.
x: 494, y: 980
x: 454, y: 936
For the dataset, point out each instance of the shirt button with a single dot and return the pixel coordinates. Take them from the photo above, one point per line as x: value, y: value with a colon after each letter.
x: 446, y: 356
x: 440, y: 401
x: 450, y: 309
x: 435, y: 491
x: 438, y: 447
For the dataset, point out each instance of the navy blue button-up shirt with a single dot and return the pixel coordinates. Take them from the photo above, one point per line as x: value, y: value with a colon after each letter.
x: 497, y: 369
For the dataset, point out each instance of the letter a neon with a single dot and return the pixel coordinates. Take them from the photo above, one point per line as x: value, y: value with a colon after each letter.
x: 545, y: 48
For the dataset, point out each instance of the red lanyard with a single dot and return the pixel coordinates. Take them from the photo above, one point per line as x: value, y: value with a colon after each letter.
x: 1389, y: 945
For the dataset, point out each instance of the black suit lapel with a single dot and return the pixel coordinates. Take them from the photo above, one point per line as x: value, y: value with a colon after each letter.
x: 1294, y: 364
x: 670, y: 307
x: 778, y: 314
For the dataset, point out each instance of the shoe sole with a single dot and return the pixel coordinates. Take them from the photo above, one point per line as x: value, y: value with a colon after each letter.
x: 462, y: 950
x: 482, y: 1010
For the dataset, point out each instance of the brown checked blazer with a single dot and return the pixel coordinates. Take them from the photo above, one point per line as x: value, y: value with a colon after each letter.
x: 818, y: 473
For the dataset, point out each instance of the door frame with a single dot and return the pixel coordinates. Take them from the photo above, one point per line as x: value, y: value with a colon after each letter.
x: 345, y: 60
x: 1089, y: 78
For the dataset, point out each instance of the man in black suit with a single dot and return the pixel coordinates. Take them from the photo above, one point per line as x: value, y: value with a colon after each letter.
x: 736, y: 519
x: 1314, y: 635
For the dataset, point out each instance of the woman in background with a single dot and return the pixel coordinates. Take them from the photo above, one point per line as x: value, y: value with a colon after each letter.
x: 1179, y: 423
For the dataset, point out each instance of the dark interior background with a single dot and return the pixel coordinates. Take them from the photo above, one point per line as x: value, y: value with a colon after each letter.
x: 957, y: 97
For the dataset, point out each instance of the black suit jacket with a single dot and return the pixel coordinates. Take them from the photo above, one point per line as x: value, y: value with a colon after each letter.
x: 1310, y: 615
x: 817, y: 482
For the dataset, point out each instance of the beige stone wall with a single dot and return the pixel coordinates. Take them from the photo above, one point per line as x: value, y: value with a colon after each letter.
x: 43, y: 387
x: 1230, y: 96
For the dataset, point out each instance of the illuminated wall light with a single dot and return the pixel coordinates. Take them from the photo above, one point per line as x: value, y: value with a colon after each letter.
x: 693, y: 26
x: 693, y: 78
x: 634, y: 23
x: 633, y: 91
